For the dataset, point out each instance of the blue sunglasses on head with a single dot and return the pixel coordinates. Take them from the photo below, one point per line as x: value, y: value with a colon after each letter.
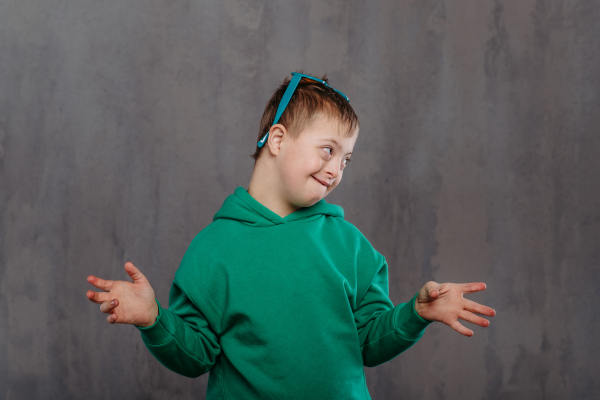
x: 288, y: 95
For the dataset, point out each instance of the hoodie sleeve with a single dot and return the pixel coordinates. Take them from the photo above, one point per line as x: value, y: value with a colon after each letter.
x: 181, y: 337
x: 185, y: 338
x: 386, y: 331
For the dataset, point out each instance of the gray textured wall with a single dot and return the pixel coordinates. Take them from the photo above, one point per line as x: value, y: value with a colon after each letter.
x: 125, y: 124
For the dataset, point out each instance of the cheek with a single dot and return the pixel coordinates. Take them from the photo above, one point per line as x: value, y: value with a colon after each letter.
x: 299, y: 170
x: 301, y: 165
x: 307, y: 164
x: 313, y: 162
x: 313, y: 165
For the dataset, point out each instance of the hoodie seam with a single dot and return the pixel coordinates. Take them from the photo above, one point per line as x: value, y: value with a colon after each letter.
x: 371, y: 283
x: 210, y: 303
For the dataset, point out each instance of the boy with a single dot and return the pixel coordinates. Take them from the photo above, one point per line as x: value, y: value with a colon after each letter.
x: 280, y: 297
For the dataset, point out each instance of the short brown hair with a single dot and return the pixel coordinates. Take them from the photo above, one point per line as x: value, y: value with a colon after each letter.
x: 309, y: 101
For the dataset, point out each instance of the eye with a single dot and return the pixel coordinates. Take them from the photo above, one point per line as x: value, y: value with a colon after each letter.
x: 345, y: 161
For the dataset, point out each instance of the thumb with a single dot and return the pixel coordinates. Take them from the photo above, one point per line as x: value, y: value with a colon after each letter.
x: 135, y: 273
x: 431, y: 289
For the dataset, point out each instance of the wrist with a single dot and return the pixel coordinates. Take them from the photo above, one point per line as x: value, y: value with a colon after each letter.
x: 153, y: 316
x: 418, y: 307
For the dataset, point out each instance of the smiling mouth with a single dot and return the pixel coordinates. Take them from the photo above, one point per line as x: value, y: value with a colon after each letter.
x: 321, y: 182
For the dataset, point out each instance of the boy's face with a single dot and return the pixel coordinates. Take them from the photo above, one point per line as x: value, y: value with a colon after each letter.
x: 313, y: 165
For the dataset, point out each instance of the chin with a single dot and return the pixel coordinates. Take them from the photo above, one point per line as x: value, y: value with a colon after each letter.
x: 311, y: 194
x: 318, y: 196
x: 310, y: 200
x: 308, y: 197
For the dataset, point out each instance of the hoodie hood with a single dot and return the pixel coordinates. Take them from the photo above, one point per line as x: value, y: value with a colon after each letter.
x: 242, y: 207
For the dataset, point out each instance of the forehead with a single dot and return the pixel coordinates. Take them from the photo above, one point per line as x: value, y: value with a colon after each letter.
x: 329, y: 130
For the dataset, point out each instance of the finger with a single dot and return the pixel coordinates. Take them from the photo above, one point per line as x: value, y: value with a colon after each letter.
x: 475, y: 319
x: 135, y: 273
x: 430, y: 290
x: 434, y: 291
x: 458, y: 327
x: 109, y: 306
x: 103, y: 284
x: 112, y: 318
x: 478, y: 308
x: 97, y: 297
x: 472, y: 287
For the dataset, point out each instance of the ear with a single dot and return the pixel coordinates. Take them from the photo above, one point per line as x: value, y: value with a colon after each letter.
x: 275, y: 139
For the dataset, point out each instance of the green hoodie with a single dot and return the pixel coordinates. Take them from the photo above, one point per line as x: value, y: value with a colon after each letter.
x: 281, y: 308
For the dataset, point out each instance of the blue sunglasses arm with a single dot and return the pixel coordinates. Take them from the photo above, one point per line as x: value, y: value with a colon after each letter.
x: 283, y: 104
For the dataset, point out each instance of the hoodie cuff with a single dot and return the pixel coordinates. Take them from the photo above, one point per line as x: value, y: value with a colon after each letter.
x: 410, y: 324
x: 156, y: 333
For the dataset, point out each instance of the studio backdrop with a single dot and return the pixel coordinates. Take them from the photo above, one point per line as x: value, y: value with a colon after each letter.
x: 125, y: 124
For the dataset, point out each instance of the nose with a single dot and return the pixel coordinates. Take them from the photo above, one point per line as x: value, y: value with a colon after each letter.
x: 333, y: 168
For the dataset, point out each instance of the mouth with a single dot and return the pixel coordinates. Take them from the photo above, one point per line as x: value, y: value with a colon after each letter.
x: 321, y: 182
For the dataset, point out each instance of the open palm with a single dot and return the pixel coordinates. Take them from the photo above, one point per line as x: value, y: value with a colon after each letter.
x: 444, y: 302
x: 126, y: 302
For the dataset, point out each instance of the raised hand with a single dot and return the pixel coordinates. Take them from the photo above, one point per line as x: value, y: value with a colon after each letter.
x: 126, y: 302
x: 444, y: 302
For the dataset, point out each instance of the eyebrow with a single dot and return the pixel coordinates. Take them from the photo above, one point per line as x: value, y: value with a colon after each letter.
x: 334, y: 141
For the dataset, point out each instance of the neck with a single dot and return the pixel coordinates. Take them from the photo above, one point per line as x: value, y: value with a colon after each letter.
x: 265, y: 188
